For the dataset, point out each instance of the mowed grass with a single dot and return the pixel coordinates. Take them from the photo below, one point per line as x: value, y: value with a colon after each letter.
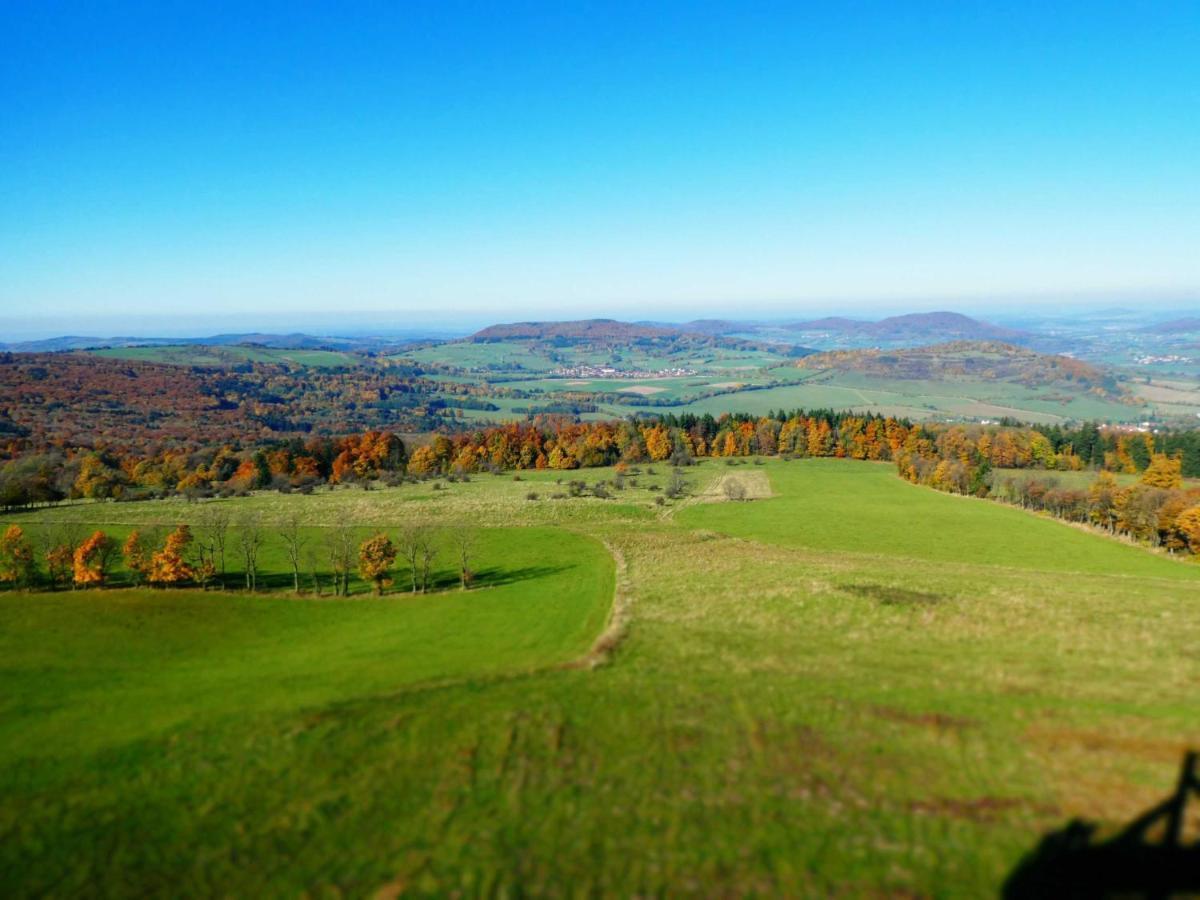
x: 113, y: 666
x: 864, y: 508
x: 813, y: 696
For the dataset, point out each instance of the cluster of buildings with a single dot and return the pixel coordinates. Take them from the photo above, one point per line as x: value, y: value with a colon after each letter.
x: 592, y: 372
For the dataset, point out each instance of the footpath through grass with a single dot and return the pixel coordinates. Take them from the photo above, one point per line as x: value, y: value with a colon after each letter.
x: 815, y: 695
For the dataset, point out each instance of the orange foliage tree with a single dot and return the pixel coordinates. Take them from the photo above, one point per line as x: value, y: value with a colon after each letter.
x: 16, y: 557
x: 169, y: 566
x: 137, y: 555
x: 93, y: 559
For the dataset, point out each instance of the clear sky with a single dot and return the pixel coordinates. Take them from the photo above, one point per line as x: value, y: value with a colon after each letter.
x: 501, y: 160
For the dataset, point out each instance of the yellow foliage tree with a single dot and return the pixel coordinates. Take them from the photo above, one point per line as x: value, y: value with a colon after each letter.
x: 1188, y: 524
x: 423, y: 461
x: 1163, y: 472
x: 376, y: 556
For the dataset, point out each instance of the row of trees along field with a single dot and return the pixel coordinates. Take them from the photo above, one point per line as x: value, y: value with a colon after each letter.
x: 554, y: 442
x: 67, y: 555
x: 1157, y: 509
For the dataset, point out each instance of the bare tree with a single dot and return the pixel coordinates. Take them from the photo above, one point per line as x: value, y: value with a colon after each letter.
x: 463, y: 540
x: 428, y: 555
x: 214, y: 527
x: 108, y: 554
x: 250, y: 540
x: 293, y: 542
x: 339, y: 544
x: 70, y: 535
x: 310, y: 560
x: 409, y: 542
x: 734, y: 489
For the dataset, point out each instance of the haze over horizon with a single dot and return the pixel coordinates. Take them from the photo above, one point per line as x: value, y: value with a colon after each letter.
x: 185, y: 170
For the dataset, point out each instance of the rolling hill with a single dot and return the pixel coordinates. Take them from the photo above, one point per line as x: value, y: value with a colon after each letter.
x: 972, y: 361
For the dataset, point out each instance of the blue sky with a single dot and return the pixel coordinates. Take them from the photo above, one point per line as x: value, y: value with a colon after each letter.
x: 421, y: 161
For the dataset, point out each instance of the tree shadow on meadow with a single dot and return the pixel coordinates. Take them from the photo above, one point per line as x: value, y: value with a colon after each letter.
x: 1148, y: 859
x: 274, y: 583
x: 893, y: 596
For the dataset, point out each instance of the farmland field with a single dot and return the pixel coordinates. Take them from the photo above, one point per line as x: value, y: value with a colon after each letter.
x: 853, y: 685
x: 756, y: 379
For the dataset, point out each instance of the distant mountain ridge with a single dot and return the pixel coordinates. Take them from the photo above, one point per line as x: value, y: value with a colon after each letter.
x: 610, y: 330
x: 939, y: 326
x: 294, y: 341
x: 1175, y: 326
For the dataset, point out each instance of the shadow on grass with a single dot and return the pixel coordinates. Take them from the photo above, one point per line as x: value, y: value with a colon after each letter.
x: 492, y: 576
x: 894, y: 596
x: 1148, y: 859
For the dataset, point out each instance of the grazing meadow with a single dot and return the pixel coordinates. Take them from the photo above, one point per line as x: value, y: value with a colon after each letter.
x: 843, y: 684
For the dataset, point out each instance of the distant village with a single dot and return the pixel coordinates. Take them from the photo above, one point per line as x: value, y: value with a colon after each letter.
x: 593, y: 372
x: 1158, y: 360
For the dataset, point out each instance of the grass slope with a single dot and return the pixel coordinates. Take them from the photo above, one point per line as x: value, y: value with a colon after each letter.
x: 819, y: 507
x: 122, y: 665
x: 814, y: 697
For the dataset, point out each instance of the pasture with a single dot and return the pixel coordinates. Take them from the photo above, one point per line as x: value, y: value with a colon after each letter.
x: 853, y: 686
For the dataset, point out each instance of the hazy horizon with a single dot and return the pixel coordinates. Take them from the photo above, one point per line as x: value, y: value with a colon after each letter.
x: 446, y: 324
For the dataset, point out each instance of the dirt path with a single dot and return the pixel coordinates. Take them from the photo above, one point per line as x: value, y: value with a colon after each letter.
x: 618, y: 616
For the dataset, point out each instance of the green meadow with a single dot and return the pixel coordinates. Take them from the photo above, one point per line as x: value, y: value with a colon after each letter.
x: 850, y: 686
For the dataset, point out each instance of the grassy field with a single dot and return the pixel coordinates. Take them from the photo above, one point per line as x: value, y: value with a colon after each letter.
x: 856, y: 686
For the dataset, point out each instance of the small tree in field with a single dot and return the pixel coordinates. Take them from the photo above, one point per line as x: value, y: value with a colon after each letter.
x: 60, y: 564
x: 293, y: 542
x: 250, y: 540
x: 376, y: 556
x: 169, y: 566
x: 138, y: 553
x: 413, y: 539
x: 214, y: 529
x: 17, y: 565
x: 93, y: 559
x: 734, y: 489
x: 339, y: 545
x: 464, y: 548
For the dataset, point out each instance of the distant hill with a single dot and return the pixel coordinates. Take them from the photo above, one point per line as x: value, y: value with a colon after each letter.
x: 715, y: 327
x: 1175, y: 326
x: 973, y: 361
x: 922, y: 327
x: 599, y: 330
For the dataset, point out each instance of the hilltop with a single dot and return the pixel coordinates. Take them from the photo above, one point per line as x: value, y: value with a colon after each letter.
x: 971, y: 360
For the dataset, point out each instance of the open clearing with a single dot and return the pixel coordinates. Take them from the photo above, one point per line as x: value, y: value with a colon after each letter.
x: 854, y: 686
x: 747, y: 485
